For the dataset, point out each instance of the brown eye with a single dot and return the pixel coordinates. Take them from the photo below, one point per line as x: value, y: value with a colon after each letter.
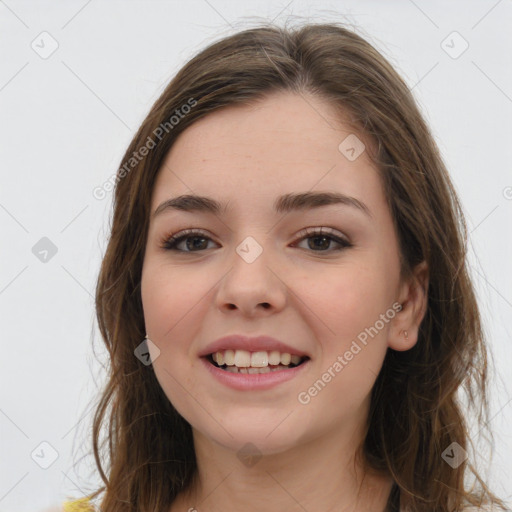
x: 320, y: 240
x: 198, y: 238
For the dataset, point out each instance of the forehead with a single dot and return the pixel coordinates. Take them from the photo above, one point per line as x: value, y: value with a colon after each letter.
x: 285, y: 142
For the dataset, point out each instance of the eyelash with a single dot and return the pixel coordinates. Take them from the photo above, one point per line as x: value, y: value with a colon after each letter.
x: 170, y: 242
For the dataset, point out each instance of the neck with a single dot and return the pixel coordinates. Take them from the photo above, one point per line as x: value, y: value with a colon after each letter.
x: 321, y: 475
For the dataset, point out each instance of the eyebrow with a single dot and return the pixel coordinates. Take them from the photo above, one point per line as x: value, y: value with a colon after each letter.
x: 283, y: 204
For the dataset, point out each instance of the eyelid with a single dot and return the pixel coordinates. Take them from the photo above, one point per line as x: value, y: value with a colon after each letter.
x: 322, y: 230
x: 171, y: 240
x: 169, y: 237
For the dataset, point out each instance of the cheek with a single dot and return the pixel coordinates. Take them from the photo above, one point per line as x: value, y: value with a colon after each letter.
x: 348, y: 303
x: 169, y: 300
x: 346, y: 300
x: 169, y: 296
x: 352, y: 340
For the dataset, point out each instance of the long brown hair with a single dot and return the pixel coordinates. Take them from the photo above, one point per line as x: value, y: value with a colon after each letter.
x: 415, y: 412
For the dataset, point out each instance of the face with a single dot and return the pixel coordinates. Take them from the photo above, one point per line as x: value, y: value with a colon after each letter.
x: 252, y: 271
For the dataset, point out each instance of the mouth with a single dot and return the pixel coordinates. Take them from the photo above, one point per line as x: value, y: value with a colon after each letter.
x: 245, y: 362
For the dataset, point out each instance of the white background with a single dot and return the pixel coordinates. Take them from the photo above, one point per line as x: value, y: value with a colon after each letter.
x: 66, y: 120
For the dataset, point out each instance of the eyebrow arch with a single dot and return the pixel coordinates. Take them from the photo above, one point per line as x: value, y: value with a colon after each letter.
x: 285, y: 203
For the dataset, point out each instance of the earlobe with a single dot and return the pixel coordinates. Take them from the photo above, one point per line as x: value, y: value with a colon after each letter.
x: 414, y: 298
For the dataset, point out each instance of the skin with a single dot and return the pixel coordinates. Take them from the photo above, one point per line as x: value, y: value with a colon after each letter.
x: 317, y: 300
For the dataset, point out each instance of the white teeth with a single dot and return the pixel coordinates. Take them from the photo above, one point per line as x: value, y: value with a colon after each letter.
x: 254, y: 360
x: 242, y: 358
x: 266, y: 369
x: 229, y: 357
x: 274, y: 358
x: 286, y: 358
x: 259, y: 359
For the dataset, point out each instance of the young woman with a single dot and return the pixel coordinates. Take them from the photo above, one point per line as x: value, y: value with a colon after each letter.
x: 284, y: 296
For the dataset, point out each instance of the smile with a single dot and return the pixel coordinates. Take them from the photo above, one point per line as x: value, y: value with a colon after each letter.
x: 243, y: 361
x: 246, y: 370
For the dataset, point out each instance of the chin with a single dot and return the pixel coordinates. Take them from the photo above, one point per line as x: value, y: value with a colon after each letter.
x: 262, y: 438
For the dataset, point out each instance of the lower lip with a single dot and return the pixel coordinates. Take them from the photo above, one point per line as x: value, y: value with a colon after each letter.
x: 253, y: 381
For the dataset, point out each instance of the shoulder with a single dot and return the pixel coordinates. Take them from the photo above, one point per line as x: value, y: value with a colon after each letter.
x: 81, y: 505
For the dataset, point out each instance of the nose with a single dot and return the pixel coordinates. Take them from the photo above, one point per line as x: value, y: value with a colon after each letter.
x: 252, y: 287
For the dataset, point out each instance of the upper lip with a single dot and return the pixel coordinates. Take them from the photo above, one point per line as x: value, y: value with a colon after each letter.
x: 254, y: 344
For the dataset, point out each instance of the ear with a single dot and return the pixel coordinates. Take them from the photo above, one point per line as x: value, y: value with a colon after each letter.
x: 413, y: 296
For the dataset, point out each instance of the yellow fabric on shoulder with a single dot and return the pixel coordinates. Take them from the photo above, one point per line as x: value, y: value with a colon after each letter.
x: 81, y: 505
